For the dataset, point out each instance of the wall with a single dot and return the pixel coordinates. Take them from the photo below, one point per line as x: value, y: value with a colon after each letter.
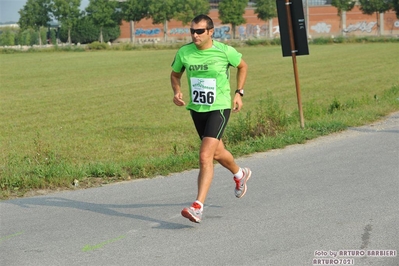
x: 323, y: 21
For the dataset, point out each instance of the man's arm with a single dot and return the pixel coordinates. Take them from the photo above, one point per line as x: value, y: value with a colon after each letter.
x: 175, y: 78
x: 242, y: 70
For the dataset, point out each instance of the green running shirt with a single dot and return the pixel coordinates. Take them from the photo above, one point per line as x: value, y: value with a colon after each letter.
x: 208, y: 74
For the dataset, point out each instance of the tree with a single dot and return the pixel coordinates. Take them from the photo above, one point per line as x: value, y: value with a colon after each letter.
x: 35, y: 14
x: 86, y: 31
x: 103, y: 13
x: 343, y: 6
x: 266, y: 10
x: 161, y: 12
x: 369, y: 7
x: 7, y: 37
x: 188, y: 9
x: 134, y: 11
x: 67, y: 13
x: 395, y: 7
x: 231, y: 12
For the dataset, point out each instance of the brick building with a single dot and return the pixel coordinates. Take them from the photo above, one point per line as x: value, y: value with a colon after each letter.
x: 323, y: 21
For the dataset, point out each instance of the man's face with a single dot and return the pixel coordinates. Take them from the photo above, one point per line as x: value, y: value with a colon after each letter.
x: 201, y: 37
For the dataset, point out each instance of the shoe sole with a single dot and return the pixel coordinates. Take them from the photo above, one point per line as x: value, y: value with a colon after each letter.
x: 245, y: 185
x: 185, y: 213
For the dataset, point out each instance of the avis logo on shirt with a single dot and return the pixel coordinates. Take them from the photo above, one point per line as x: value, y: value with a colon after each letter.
x: 198, y: 67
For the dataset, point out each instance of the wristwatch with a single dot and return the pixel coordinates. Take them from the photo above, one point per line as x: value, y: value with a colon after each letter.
x: 241, y: 92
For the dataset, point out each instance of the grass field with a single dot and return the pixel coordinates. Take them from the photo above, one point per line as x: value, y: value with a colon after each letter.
x: 109, y: 114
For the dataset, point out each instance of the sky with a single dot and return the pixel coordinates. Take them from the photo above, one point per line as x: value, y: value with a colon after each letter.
x: 9, y: 9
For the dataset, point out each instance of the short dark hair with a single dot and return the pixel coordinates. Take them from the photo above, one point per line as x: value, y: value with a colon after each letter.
x: 209, y: 22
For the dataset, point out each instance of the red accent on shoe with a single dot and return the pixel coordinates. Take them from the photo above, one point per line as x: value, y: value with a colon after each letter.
x: 196, y: 205
x: 237, y: 182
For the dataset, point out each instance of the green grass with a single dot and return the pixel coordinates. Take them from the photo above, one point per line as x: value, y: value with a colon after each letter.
x: 109, y: 114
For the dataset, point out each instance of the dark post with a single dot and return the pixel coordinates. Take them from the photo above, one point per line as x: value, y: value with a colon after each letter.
x: 293, y: 39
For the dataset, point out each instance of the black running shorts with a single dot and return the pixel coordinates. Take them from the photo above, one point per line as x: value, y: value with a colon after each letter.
x: 211, y: 124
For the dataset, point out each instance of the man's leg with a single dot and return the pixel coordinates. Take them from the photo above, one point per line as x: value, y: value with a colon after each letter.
x: 225, y: 158
x: 241, y: 175
x: 205, y: 176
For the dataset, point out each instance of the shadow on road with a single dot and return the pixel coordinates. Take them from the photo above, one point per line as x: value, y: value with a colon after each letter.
x: 105, y: 209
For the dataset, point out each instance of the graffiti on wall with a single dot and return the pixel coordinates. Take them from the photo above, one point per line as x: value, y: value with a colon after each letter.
x: 179, y: 31
x: 147, y: 32
x: 361, y: 26
x: 321, y: 27
x: 254, y: 31
x: 243, y: 32
x: 221, y: 32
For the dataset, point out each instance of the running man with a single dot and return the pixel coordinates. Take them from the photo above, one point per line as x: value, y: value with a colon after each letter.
x: 207, y: 63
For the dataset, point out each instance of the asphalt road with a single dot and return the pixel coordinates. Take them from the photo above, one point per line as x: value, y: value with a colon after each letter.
x: 332, y: 200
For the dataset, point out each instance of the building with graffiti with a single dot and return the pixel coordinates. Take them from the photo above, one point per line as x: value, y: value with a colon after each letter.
x: 322, y: 21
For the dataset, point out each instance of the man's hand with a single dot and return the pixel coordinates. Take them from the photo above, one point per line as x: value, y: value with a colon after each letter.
x: 175, y: 78
x: 237, y: 103
x: 178, y: 99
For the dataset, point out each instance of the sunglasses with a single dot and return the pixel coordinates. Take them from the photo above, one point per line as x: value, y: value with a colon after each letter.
x: 198, y: 31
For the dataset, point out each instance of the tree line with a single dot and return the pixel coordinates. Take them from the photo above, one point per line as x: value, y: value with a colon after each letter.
x: 101, y: 18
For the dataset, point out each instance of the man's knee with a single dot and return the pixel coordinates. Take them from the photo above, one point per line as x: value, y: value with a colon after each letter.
x: 205, y: 158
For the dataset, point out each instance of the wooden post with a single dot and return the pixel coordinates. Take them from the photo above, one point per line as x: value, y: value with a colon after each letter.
x: 293, y: 51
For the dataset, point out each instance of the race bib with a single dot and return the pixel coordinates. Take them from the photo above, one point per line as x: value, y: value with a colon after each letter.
x: 203, y: 90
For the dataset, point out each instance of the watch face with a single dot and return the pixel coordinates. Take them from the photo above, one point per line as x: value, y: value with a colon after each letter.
x: 241, y: 92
